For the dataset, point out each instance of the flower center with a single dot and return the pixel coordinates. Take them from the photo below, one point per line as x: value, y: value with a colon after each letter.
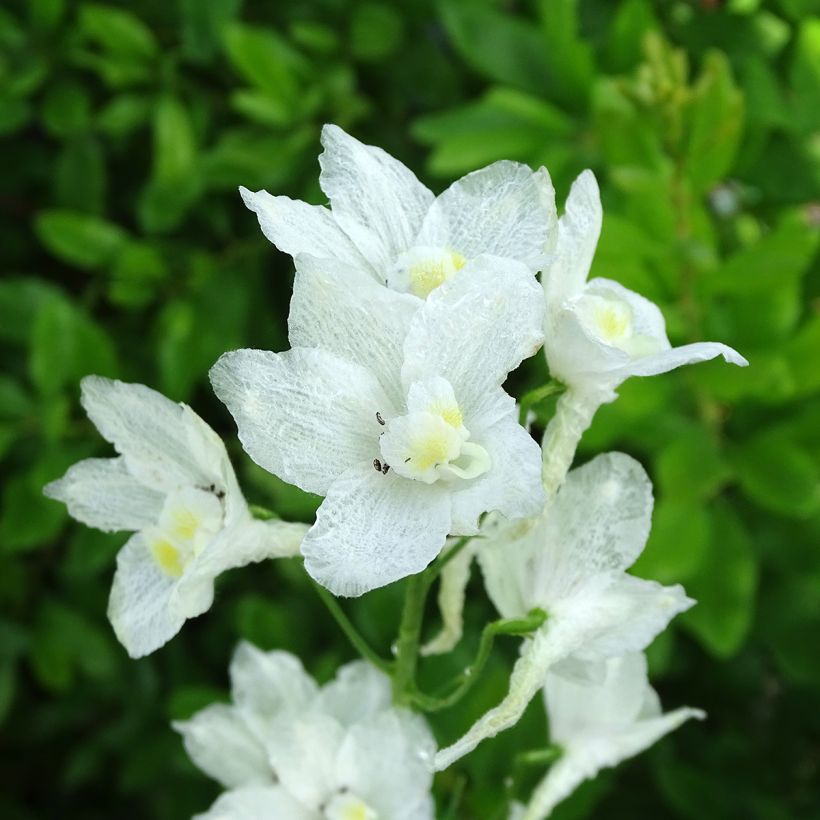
x: 612, y: 321
x: 190, y: 518
x: 347, y: 806
x: 431, y: 442
x: 422, y: 269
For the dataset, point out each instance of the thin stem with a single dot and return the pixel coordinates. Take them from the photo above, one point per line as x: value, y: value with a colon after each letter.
x: 353, y: 634
x: 407, y: 644
x: 434, y: 570
x: 539, y: 757
x: 465, y: 681
x: 536, y: 396
x: 261, y: 513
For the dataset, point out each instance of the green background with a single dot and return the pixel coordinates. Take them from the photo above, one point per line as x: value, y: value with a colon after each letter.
x: 125, y: 129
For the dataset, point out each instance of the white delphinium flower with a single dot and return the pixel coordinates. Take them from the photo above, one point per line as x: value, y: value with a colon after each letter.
x: 174, y: 486
x: 598, y: 333
x: 571, y: 562
x: 393, y: 409
x: 598, y: 725
x: 383, y: 221
x: 286, y: 749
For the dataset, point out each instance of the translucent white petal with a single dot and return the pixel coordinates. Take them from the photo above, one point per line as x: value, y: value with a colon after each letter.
x: 378, y: 202
x: 139, y: 605
x: 582, y: 761
x: 219, y: 742
x: 529, y: 672
x: 267, y: 685
x: 668, y: 360
x: 578, y: 232
x: 453, y: 581
x: 257, y: 803
x: 339, y: 309
x: 305, y: 415
x: 102, y: 494
x: 389, y: 767
x: 373, y: 529
x: 165, y: 444
x: 504, y: 209
x: 474, y: 329
x: 512, y: 485
x: 246, y: 542
x: 358, y: 692
x: 647, y: 319
x: 296, y: 227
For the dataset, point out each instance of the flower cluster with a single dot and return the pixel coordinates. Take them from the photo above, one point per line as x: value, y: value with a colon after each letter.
x: 408, y: 313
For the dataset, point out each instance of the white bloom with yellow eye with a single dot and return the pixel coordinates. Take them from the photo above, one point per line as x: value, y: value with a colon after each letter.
x: 382, y: 220
x: 174, y: 486
x: 287, y: 749
x: 392, y: 408
x: 571, y: 562
x: 599, y: 724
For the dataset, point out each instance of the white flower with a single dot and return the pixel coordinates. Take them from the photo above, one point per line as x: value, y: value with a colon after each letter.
x: 287, y: 749
x: 174, y: 486
x: 385, y: 222
x: 599, y: 333
x: 599, y: 725
x: 571, y: 563
x: 393, y: 409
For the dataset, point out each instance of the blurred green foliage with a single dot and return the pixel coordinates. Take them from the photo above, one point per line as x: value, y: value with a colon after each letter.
x: 125, y: 129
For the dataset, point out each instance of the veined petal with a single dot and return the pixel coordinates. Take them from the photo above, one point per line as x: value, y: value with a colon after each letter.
x: 296, y: 227
x: 668, y: 360
x: 257, y: 803
x: 474, y: 329
x: 165, y: 444
x: 373, y: 529
x: 268, y: 685
x: 305, y: 415
x: 378, y: 202
x: 337, y: 308
x: 578, y: 232
x: 537, y: 655
x: 102, y: 494
x: 139, y: 606
x: 218, y: 741
x: 358, y: 692
x: 505, y: 209
x: 512, y: 485
x: 247, y: 542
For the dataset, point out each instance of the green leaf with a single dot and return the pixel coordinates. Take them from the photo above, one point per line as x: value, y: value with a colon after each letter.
x: 117, y: 31
x: 805, y: 77
x: 20, y: 299
x: 624, y: 42
x: 79, y: 239
x: 716, y: 124
x: 203, y: 25
x: 14, y: 114
x: 80, y: 176
x: 725, y: 587
x: 66, y: 109
x: 123, y: 114
x: 376, y: 31
x: 777, y: 474
x: 692, y: 467
x: 136, y: 275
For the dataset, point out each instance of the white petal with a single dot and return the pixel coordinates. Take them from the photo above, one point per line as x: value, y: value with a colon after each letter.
x: 578, y: 232
x: 139, y: 606
x: 373, y: 529
x: 378, y: 202
x: 390, y: 767
x: 453, y: 581
x: 102, y: 494
x: 668, y: 360
x: 358, y: 692
x: 537, y: 655
x: 247, y: 542
x: 165, y: 444
x: 267, y: 685
x: 305, y: 415
x: 474, y: 329
x: 296, y: 227
x: 218, y: 741
x: 584, y: 760
x: 504, y: 209
x: 337, y: 308
x: 257, y: 803
x: 512, y: 485
x: 647, y: 319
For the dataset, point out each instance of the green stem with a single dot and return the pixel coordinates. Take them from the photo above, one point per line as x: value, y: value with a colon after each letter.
x: 353, y: 634
x: 407, y: 644
x: 539, y: 757
x: 261, y: 513
x: 434, y: 570
x: 465, y: 681
x: 536, y: 396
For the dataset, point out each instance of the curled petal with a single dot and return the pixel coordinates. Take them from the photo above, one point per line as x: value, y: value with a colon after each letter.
x: 256, y: 803
x: 676, y: 357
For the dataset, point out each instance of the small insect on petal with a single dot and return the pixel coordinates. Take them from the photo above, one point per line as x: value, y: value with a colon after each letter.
x: 377, y: 465
x: 380, y: 419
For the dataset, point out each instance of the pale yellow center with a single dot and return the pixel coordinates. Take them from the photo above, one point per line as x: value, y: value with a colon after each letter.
x: 614, y: 320
x: 167, y: 556
x: 427, y: 274
x: 348, y: 806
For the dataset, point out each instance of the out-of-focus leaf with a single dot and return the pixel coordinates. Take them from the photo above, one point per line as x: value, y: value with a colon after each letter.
x: 203, y: 25
x: 691, y: 466
x: 136, y: 274
x: 123, y: 114
x: 66, y: 109
x: 80, y: 176
x: 805, y: 76
x: 45, y: 15
x: 724, y: 587
x: 117, y: 31
x: 20, y: 300
x: 80, y: 239
x: 376, y: 31
x: 624, y: 46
